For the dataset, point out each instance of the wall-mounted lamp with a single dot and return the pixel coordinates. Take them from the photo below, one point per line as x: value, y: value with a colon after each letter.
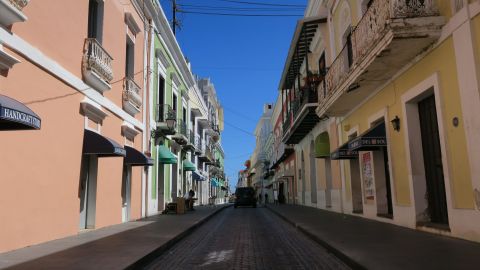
x: 396, y: 123
x: 171, y: 121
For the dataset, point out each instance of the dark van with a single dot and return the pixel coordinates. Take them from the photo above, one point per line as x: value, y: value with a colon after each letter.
x: 245, y: 196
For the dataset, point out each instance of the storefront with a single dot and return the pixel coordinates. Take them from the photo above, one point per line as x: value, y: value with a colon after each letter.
x: 95, y: 146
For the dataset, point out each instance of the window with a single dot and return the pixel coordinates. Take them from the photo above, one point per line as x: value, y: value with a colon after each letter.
x: 322, y: 66
x: 95, y: 20
x: 129, y: 59
x: 347, y: 41
x: 184, y: 115
x: 161, y: 90
x: 174, y: 105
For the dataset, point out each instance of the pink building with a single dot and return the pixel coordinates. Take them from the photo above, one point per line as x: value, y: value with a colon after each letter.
x: 72, y: 74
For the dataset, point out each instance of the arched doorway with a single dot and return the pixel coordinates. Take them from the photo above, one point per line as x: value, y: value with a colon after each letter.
x: 322, y: 151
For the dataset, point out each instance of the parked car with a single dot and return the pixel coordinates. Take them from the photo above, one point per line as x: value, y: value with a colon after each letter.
x: 245, y: 196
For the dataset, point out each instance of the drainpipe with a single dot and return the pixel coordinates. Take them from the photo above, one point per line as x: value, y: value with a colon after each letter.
x: 147, y: 143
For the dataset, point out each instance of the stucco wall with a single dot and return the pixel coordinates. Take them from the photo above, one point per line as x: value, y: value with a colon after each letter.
x: 442, y: 61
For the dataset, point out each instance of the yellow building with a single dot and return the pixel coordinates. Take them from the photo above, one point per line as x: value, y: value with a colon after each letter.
x: 381, y: 99
x: 402, y: 85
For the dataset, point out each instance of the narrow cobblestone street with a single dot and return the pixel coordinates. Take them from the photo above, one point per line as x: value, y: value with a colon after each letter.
x: 247, y: 238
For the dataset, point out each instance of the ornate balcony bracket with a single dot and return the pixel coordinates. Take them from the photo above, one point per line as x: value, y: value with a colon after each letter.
x: 6, y: 60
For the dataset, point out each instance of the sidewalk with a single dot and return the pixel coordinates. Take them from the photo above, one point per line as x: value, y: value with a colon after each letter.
x: 127, y: 245
x: 369, y: 244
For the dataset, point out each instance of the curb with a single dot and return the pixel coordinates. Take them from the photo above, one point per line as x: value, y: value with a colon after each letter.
x: 150, y: 257
x: 342, y: 256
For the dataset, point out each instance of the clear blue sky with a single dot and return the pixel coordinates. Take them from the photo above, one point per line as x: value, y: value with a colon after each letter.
x: 244, y: 57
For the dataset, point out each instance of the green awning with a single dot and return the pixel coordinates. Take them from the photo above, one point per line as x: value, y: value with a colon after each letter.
x: 165, y: 156
x: 322, y: 146
x: 188, y: 166
x: 213, y: 182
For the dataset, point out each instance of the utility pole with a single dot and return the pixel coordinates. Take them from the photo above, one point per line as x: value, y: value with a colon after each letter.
x: 174, y: 20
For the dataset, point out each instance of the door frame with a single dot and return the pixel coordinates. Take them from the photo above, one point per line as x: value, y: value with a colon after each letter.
x: 383, y: 114
x: 90, y: 194
x: 127, y: 192
x: 414, y: 154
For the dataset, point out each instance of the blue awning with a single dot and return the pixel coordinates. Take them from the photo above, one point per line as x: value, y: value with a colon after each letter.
x: 96, y: 144
x: 14, y: 115
x: 137, y: 158
x: 197, y: 176
x: 372, y: 139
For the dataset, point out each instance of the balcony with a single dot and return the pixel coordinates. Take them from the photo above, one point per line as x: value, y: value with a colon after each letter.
x: 206, y: 154
x: 301, y: 118
x: 132, y: 100
x: 283, y: 151
x: 11, y: 11
x: 190, y: 146
x: 389, y: 36
x: 164, y: 113
x: 209, y: 152
x: 198, y: 145
x: 97, y: 65
x: 181, y: 137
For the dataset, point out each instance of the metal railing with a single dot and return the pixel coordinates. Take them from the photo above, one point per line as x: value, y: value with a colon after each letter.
x: 305, y: 96
x: 287, y: 123
x: 182, y: 128
x: 97, y: 59
x: 209, y: 151
x: 371, y: 27
x: 191, y: 137
x: 198, y: 143
x: 131, y: 93
x: 164, y: 112
x: 411, y: 8
x: 19, y: 4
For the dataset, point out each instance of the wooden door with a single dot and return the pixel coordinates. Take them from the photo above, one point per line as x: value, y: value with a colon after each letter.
x: 432, y: 156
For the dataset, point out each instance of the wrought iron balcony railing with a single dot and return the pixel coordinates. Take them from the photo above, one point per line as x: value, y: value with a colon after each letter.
x: 306, y: 95
x: 371, y: 27
x: 132, y: 100
x: 182, y: 128
x: 287, y: 123
x: 191, y: 137
x: 97, y: 59
x: 165, y: 112
x: 198, y: 144
x: 19, y: 4
x: 209, y: 151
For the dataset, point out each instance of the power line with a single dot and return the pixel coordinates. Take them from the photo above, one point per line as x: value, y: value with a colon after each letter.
x: 239, y: 114
x: 240, y: 15
x: 261, y: 4
x: 241, y: 8
x: 240, y: 129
